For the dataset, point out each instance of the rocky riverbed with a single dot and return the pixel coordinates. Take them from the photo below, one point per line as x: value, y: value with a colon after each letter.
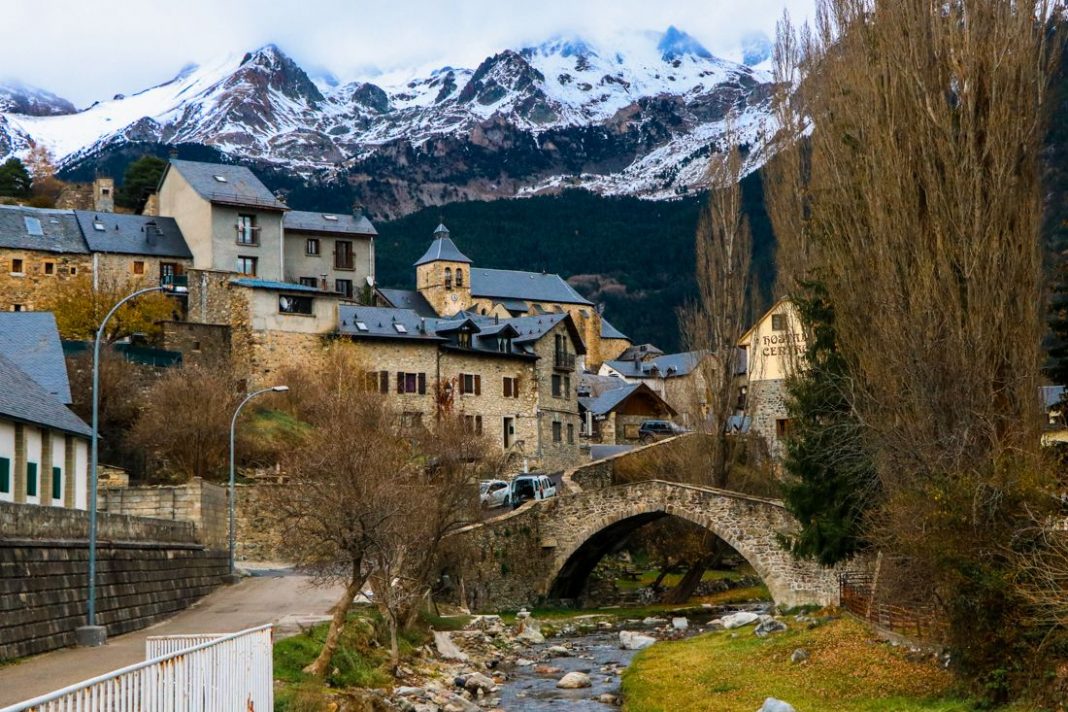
x: 574, y: 664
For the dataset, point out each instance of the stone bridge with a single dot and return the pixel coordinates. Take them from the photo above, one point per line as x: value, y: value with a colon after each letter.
x: 546, y: 550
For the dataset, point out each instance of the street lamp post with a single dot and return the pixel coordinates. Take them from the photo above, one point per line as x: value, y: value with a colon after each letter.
x: 233, y: 577
x: 91, y: 634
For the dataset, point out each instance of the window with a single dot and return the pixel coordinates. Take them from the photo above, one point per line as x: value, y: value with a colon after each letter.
x: 31, y: 479
x: 98, y: 226
x: 73, y: 271
x: 17, y: 307
x: 33, y: 226
x: 220, y: 179
x: 57, y: 483
x: 464, y: 339
x: 138, y: 267
x: 290, y: 304
x: 473, y: 424
x: 567, y: 387
x: 459, y: 277
x: 400, y: 328
x: 49, y: 267
x: 309, y: 282
x: 17, y: 266
x: 5, y: 475
x: 411, y: 383
x: 558, y: 386
x: 343, y: 287
x: 362, y: 326
x: 246, y: 230
x: 311, y: 246
x: 448, y: 278
x: 247, y: 265
x: 343, y: 257
x: 470, y: 383
x: 782, y: 428
x: 571, y: 433
x: 331, y: 218
x: 503, y: 345
x: 378, y: 381
x: 511, y: 387
x: 196, y: 346
x: 105, y: 191
x: 558, y: 429
x: 167, y: 271
x: 778, y: 322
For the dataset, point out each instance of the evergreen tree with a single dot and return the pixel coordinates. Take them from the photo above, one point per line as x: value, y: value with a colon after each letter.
x: 141, y: 178
x: 15, y: 180
x: 833, y: 481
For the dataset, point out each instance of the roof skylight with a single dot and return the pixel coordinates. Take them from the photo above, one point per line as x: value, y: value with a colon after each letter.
x: 361, y: 326
x: 98, y: 226
x: 221, y: 179
x: 33, y: 226
x: 401, y: 328
x: 331, y: 218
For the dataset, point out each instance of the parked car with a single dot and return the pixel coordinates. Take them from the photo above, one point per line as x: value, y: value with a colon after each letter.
x: 652, y: 430
x: 492, y: 493
x: 532, y: 486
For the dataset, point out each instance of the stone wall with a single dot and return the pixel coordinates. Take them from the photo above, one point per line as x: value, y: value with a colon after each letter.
x: 612, y: 470
x: 198, y: 343
x: 260, y: 536
x: 202, y: 503
x: 148, y: 569
x: 766, y: 405
x: 41, y: 271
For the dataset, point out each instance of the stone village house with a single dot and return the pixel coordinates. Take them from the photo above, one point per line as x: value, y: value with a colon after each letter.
x: 679, y: 379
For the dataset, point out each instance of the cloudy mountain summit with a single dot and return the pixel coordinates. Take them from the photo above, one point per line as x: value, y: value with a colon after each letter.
x: 637, y: 116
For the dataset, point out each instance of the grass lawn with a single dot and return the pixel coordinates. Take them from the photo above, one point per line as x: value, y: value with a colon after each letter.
x: 671, y: 580
x: 848, y: 671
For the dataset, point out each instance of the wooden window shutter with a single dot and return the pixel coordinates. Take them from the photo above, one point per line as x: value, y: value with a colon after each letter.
x: 422, y: 384
x: 507, y: 387
x: 478, y: 385
x: 383, y: 382
x: 400, y: 381
x: 515, y: 387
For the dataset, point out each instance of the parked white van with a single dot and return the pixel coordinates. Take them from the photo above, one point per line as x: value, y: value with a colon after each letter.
x: 527, y: 487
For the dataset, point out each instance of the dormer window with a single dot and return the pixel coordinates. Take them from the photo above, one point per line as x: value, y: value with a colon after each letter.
x: 464, y: 339
x: 448, y: 278
x: 504, y: 345
x: 459, y: 277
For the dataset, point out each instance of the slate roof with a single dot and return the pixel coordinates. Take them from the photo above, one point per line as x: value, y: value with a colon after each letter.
x: 381, y: 323
x: 611, y: 399
x: 501, y: 284
x: 408, y: 299
x: 610, y: 332
x: 133, y: 234
x: 667, y: 366
x: 1051, y: 395
x: 345, y: 223
x: 443, y: 248
x: 59, y: 228
x: 254, y: 283
x: 240, y: 185
x: 24, y: 399
x: 639, y: 351
x: 30, y: 340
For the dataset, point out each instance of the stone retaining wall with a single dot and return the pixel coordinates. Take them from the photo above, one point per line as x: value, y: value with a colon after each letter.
x: 202, y: 503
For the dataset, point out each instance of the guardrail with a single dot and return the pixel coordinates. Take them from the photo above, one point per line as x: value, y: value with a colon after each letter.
x: 228, y: 672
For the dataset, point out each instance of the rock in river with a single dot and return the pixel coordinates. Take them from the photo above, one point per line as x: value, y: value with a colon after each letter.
x: 574, y: 680
x: 630, y: 640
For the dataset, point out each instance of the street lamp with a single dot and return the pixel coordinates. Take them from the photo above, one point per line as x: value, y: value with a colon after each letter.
x: 91, y: 634
x: 232, y: 578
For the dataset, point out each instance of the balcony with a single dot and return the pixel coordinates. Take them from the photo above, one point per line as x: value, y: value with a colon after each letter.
x: 175, y: 283
x: 563, y: 361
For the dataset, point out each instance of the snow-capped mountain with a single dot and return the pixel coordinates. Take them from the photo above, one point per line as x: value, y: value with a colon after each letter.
x: 638, y: 117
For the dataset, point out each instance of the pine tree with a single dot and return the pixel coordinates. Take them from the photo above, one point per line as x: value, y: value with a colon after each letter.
x: 141, y: 178
x: 15, y: 180
x: 833, y: 481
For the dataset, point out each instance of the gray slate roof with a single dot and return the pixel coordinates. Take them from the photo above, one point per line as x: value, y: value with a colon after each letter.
x: 504, y: 284
x: 60, y: 232
x: 345, y: 223
x: 240, y: 185
x: 30, y: 340
x: 381, y: 323
x: 409, y: 299
x: 133, y: 234
x: 610, y: 332
x: 254, y: 283
x: 443, y: 248
x: 667, y: 366
x: 23, y: 399
x: 611, y: 399
x: 1051, y: 395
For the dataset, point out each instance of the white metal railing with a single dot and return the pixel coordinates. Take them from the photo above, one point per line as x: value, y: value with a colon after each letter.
x: 218, y: 674
x: 160, y: 645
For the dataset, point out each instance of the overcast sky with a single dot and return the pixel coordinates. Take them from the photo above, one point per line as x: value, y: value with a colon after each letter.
x: 86, y: 50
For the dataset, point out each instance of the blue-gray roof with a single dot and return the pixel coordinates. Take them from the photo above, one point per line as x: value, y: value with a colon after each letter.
x: 501, y: 284
x: 132, y: 234
x: 610, y: 332
x: 239, y: 186
x: 408, y: 299
x: 667, y: 366
x: 1052, y: 396
x: 59, y: 231
x: 346, y: 223
x: 443, y: 248
x: 254, y: 283
x: 384, y: 323
x: 24, y: 399
x: 611, y: 399
x: 30, y: 340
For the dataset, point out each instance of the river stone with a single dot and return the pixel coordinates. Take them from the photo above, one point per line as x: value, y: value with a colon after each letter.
x: 476, y: 682
x: 530, y: 633
x: 547, y: 670
x: 631, y: 640
x: 447, y: 649
x: 523, y: 662
x: 456, y: 703
x: 558, y: 651
x: 651, y: 620
x: 773, y: 705
x: 523, y: 614
x: 607, y: 698
x: 739, y: 619
x: 799, y: 656
x: 768, y: 627
x: 574, y: 681
x: 680, y: 623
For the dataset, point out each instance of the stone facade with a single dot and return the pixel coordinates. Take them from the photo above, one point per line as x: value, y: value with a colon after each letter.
x: 766, y: 405
x: 30, y: 287
x: 143, y: 269
x: 200, y: 502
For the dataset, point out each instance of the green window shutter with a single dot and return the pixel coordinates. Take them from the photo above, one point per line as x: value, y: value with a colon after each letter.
x: 31, y: 479
x: 5, y: 475
x: 57, y: 483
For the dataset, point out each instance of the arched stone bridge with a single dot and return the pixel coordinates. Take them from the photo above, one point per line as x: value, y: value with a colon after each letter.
x: 545, y: 550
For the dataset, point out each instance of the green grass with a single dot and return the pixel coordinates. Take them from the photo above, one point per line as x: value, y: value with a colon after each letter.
x: 848, y: 671
x: 671, y: 580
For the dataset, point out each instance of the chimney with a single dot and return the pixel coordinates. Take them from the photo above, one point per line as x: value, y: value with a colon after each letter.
x: 357, y: 210
x: 280, y: 197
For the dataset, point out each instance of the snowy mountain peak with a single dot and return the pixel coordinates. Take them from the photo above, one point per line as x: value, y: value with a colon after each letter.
x: 756, y: 48
x: 19, y: 98
x: 562, y: 46
x: 675, y: 44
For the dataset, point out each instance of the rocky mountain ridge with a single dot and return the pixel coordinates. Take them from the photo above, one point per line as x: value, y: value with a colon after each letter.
x: 639, y: 118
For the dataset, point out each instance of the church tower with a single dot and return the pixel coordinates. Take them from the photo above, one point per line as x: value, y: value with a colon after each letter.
x: 443, y: 275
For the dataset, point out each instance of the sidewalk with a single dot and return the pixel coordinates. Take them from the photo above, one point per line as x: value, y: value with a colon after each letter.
x: 270, y: 595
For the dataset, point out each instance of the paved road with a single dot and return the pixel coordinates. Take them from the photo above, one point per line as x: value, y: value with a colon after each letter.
x: 273, y: 594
